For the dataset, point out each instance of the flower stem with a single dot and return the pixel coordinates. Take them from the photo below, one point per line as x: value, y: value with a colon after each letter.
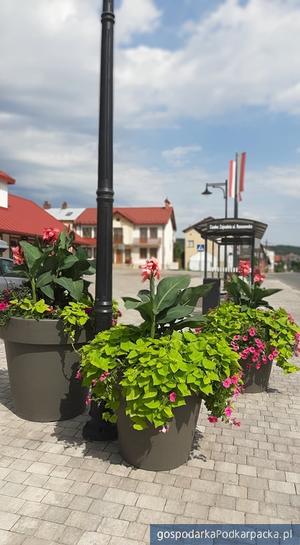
x: 33, y: 289
x: 152, y: 295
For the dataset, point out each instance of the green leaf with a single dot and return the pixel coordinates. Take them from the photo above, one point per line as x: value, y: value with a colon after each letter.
x: 31, y: 253
x: 68, y: 262
x: 190, y: 296
x: 48, y: 291
x: 44, y: 279
x: 75, y: 288
x: 144, y: 295
x: 181, y: 311
x: 131, y: 302
x: 167, y: 292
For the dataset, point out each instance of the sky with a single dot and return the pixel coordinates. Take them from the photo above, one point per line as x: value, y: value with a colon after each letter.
x: 195, y: 81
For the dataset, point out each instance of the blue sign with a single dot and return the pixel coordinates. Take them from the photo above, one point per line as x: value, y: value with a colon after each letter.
x: 200, y: 247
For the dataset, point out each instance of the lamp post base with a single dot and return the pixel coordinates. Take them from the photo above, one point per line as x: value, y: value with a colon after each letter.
x: 98, y: 429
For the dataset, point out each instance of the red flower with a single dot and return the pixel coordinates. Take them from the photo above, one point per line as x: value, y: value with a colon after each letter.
x: 18, y: 256
x: 244, y: 268
x: 150, y: 269
x: 258, y: 278
x: 4, y: 305
x: 212, y: 419
x: 50, y: 234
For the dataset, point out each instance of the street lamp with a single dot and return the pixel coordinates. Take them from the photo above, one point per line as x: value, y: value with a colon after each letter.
x: 224, y: 188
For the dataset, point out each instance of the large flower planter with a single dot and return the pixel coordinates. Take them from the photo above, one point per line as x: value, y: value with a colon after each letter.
x: 153, y: 450
x: 256, y: 380
x: 42, y: 366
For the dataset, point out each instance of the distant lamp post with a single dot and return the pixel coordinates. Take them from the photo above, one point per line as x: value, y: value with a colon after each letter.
x: 224, y: 188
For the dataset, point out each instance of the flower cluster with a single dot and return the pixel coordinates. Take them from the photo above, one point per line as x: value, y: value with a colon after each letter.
x: 235, y: 384
x: 252, y: 349
x: 50, y: 235
x: 151, y: 269
x: 244, y: 268
x: 18, y: 256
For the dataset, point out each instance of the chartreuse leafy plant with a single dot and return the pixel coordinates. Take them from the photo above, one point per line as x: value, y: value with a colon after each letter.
x: 168, y: 306
x: 153, y: 376
x: 274, y: 328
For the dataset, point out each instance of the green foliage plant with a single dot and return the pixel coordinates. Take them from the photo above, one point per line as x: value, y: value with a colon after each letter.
x: 274, y: 327
x: 152, y: 369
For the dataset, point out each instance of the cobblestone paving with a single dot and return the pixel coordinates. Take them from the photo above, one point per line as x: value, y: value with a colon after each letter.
x: 57, y: 489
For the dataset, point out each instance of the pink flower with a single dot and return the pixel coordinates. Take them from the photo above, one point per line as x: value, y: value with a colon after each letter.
x: 234, y: 379
x: 78, y: 375
x: 198, y: 330
x: 165, y: 428
x: 252, y: 331
x: 172, y: 397
x: 244, y: 268
x: 88, y: 399
x: 18, y: 256
x: 228, y: 411
x: 4, y: 305
x: 264, y: 359
x: 291, y: 318
x: 227, y: 382
x: 236, y: 393
x: 275, y: 353
x: 50, y: 234
x: 258, y: 278
x: 212, y: 419
x: 270, y: 357
x: 236, y: 422
x: 104, y: 376
x: 236, y: 337
x: 151, y: 269
x: 245, y: 338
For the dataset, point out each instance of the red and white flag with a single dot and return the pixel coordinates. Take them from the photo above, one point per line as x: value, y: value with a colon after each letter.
x: 237, y: 175
x: 231, y: 179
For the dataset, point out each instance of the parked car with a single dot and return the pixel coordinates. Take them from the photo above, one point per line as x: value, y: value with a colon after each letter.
x: 8, y: 277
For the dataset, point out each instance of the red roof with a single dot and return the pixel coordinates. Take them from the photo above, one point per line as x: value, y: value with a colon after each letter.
x: 24, y: 217
x: 6, y: 178
x: 137, y: 216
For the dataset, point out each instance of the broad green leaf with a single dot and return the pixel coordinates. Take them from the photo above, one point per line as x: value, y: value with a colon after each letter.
x: 31, y: 253
x: 131, y: 302
x: 181, y: 311
x: 144, y: 295
x: 44, y: 279
x: 68, y: 262
x: 48, y: 291
x: 167, y: 291
x: 190, y: 296
x: 75, y: 288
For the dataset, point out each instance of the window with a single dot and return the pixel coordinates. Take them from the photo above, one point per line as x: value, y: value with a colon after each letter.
x: 153, y: 233
x: 118, y: 235
x: 153, y: 252
x: 190, y: 244
x: 87, y: 232
x: 6, y: 266
x: 143, y: 253
x: 89, y: 252
x: 143, y: 234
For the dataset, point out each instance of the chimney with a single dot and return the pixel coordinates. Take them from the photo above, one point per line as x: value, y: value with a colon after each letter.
x: 47, y: 205
x: 64, y: 205
x: 5, y: 180
x: 168, y: 204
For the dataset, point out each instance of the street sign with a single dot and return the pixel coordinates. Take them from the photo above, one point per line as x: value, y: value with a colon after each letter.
x: 200, y: 247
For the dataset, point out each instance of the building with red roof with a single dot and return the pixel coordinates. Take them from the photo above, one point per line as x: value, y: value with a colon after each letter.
x: 21, y: 218
x: 138, y: 232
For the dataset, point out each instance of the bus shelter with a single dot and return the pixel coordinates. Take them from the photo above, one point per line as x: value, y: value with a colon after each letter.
x: 233, y: 233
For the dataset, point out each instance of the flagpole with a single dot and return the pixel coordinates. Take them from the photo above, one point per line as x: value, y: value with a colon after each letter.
x: 236, y: 209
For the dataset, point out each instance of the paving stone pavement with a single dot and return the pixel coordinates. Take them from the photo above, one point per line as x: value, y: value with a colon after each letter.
x: 56, y: 488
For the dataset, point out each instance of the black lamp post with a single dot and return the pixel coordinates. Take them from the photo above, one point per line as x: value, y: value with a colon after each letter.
x: 224, y: 188
x: 97, y: 429
x: 104, y: 257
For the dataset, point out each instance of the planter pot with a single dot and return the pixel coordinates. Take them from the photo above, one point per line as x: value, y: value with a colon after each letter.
x: 42, y: 366
x: 156, y: 451
x: 256, y: 380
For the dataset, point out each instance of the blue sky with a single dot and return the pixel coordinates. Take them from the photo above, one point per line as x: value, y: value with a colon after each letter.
x: 195, y: 81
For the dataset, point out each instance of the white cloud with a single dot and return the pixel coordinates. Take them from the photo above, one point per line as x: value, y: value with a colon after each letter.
x: 180, y: 155
x: 134, y: 17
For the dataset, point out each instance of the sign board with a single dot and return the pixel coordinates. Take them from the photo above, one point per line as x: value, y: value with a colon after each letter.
x: 234, y: 227
x: 200, y: 247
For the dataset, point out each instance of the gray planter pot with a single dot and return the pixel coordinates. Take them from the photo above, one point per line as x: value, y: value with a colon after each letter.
x: 256, y: 380
x: 155, y: 451
x: 42, y: 366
